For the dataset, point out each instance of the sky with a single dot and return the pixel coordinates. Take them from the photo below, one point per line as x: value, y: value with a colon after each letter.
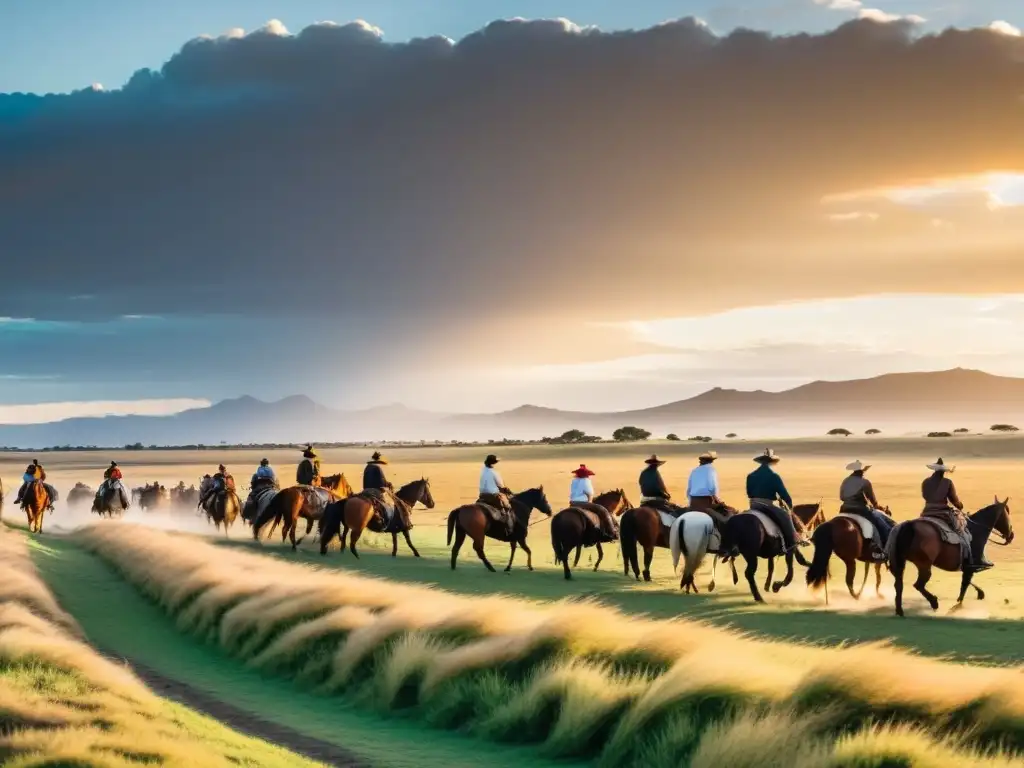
x: 469, y: 206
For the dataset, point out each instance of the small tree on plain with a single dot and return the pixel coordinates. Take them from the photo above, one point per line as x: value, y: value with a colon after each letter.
x: 961, y: 431
x: 731, y: 435
x: 672, y: 436
x: 839, y: 431
x: 940, y: 434
x: 630, y: 434
x: 1003, y: 428
x: 873, y: 432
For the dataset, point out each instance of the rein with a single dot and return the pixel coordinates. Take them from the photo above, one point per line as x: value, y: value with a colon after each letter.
x: 1000, y: 542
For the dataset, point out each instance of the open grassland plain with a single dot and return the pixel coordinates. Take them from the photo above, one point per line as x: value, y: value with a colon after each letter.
x: 61, y: 703
x: 572, y: 679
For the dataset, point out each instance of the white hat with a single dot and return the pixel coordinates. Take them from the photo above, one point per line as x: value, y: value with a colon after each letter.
x: 940, y: 466
x: 858, y: 466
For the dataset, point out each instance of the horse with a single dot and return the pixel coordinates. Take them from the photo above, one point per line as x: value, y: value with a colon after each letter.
x: 223, y: 508
x: 36, y: 500
x: 691, y: 535
x: 80, y: 495
x: 110, y: 501
x: 745, y: 535
x: 287, y: 507
x: 337, y: 483
x: 918, y: 542
x: 355, y: 514
x: 474, y: 521
x: 152, y: 497
x: 842, y: 537
x: 569, y: 529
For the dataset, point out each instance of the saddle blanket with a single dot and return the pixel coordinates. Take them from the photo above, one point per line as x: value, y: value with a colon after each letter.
x: 390, y: 518
x: 771, y: 528
x: 867, y: 529
x: 259, y: 500
x: 946, y: 532
x: 503, y: 521
x: 595, y: 521
x: 666, y: 519
x: 316, y: 499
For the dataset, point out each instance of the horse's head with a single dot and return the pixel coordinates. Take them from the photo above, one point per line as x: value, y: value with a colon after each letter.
x: 810, y: 515
x: 614, y: 501
x: 1002, y: 521
x: 425, y: 495
x: 418, y: 491
x: 535, y: 498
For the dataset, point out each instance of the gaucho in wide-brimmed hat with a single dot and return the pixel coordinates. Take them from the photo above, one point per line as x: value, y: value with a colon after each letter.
x: 702, y: 485
x: 941, y: 500
x: 765, y: 489
x: 492, y: 489
x: 308, y: 472
x: 653, y: 492
x: 858, y: 498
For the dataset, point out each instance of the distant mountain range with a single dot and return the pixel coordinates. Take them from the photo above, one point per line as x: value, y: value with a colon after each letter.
x: 895, y: 403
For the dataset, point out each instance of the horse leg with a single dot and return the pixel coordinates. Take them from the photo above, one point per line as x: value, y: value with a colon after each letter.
x: 478, y: 547
x: 579, y: 551
x: 878, y: 580
x: 648, y: 556
x: 789, y: 573
x: 849, y: 576
x: 751, y: 573
x: 344, y: 535
x: 981, y: 593
x: 714, y: 567
x: 412, y: 546
x: 924, y: 574
x: 600, y: 557
x: 394, y: 545
x: 291, y: 535
x: 735, y: 576
x: 460, y: 537
x: 528, y: 551
x: 511, y: 556
x: 965, y: 582
x: 771, y: 571
x: 898, y: 583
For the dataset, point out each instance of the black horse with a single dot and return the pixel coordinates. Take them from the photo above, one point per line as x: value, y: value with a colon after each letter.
x: 745, y: 535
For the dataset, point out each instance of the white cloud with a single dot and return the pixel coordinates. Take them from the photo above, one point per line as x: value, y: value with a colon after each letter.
x: 275, y: 27
x: 874, y: 14
x: 234, y: 33
x: 1005, y: 28
x: 840, y: 5
x: 38, y: 413
x: 854, y: 216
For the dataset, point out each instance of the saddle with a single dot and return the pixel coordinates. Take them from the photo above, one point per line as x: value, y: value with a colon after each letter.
x: 667, y: 511
x: 771, y: 528
x: 502, y: 521
x: 601, y: 525
x: 391, y: 514
x: 949, y: 532
x: 867, y: 528
x: 259, y: 498
x: 51, y: 494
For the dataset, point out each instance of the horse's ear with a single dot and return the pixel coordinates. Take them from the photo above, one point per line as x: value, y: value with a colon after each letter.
x: 995, y: 499
x: 1007, y: 502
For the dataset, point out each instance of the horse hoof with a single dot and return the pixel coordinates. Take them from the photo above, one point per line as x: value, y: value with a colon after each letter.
x: 981, y: 595
x: 899, y: 612
x: 934, y: 604
x: 711, y: 587
x: 776, y: 587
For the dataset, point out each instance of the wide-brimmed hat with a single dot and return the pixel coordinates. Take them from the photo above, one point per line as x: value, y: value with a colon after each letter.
x: 491, y: 459
x: 377, y: 458
x: 858, y: 466
x: 940, y: 466
x: 768, y: 457
x: 654, y: 461
x: 583, y: 471
x: 308, y: 452
x: 708, y: 456
x: 264, y: 462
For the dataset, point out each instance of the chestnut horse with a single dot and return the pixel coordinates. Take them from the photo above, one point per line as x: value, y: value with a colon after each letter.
x: 289, y: 505
x: 35, y: 501
x: 474, y: 521
x: 745, y: 535
x: 643, y: 527
x: 569, y: 529
x: 357, y: 513
x: 338, y: 484
x: 918, y: 542
x: 842, y: 537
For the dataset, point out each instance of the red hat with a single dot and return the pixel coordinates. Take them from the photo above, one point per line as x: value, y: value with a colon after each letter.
x: 583, y: 471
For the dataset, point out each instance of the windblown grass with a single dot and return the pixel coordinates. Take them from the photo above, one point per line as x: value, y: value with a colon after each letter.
x: 576, y: 678
x: 61, y: 703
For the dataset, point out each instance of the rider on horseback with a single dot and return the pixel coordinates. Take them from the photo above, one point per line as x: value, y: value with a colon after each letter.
x: 941, y: 500
x: 764, y: 489
x: 378, y: 488
x: 112, y: 477
x: 581, y: 495
x: 702, y: 487
x: 308, y: 472
x: 222, y: 481
x: 493, y: 491
x: 34, y: 472
x: 264, y: 476
x: 653, y: 492
x: 858, y: 498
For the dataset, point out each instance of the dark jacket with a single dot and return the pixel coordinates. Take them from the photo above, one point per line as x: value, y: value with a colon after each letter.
x: 938, y: 492
x: 652, y: 486
x: 373, y: 478
x: 308, y: 471
x: 765, y: 483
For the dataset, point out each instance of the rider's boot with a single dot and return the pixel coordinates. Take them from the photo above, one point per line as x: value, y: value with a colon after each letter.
x: 978, y: 560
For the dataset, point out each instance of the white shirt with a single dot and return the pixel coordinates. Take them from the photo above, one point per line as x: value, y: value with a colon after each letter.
x: 581, y: 489
x: 703, y: 481
x: 490, y: 481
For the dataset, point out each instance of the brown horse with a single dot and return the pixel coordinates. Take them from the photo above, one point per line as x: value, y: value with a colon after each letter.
x: 35, y: 501
x: 842, y: 537
x: 355, y: 514
x: 338, y: 484
x: 287, y: 506
x: 474, y: 521
x: 570, y: 529
x: 223, y: 509
x: 918, y: 542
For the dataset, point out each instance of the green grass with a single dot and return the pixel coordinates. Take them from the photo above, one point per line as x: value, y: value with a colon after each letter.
x: 119, y: 620
x: 514, y: 672
x: 800, y: 618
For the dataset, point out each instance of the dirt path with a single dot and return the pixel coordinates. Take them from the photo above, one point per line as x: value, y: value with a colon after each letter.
x: 241, y: 721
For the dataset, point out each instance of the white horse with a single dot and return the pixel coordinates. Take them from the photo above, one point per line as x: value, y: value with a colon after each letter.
x: 693, y: 534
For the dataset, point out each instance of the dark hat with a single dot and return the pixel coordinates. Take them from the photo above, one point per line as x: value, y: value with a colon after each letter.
x: 264, y: 462
x: 768, y: 457
x: 113, y: 463
x: 222, y: 468
x: 308, y: 452
x: 491, y: 459
x: 654, y: 461
x: 377, y: 458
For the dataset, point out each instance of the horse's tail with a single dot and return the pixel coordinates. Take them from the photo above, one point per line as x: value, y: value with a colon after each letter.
x: 269, y: 511
x: 899, y: 544
x: 556, y: 545
x: 452, y: 517
x: 818, y: 573
x: 675, y: 541
x: 695, y: 551
x: 627, y: 542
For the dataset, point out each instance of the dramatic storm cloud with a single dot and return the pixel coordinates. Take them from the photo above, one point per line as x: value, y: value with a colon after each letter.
x: 362, y: 197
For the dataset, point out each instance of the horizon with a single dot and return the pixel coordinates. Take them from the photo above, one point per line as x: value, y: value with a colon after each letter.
x: 431, y: 212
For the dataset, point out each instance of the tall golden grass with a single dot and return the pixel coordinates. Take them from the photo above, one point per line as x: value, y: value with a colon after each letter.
x: 61, y: 703
x: 576, y: 678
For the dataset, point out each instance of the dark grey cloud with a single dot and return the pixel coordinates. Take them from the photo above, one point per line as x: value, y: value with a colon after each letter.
x: 532, y: 169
